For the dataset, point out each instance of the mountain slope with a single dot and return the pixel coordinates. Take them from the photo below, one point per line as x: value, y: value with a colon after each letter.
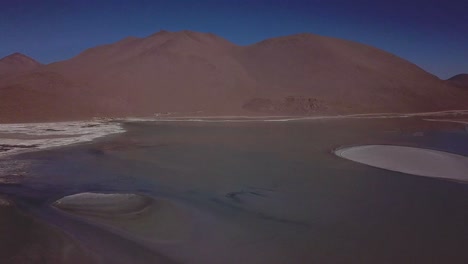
x: 187, y: 72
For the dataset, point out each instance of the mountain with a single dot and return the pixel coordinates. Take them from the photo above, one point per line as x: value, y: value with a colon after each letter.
x: 17, y: 63
x: 345, y: 76
x: 460, y: 80
x: 200, y: 73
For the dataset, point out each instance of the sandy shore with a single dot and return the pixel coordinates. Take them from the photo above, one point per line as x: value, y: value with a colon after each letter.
x: 416, y: 161
x: 136, y: 217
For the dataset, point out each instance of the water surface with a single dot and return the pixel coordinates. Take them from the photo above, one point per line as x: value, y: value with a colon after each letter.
x: 257, y: 192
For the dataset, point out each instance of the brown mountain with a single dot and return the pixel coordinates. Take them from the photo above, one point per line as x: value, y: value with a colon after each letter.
x: 17, y: 63
x: 460, y: 80
x: 187, y: 72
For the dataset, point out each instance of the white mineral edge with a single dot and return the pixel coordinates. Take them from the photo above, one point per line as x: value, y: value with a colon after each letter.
x: 75, y: 132
x: 410, y: 160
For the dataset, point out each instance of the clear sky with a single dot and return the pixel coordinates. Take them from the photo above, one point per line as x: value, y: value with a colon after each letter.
x: 432, y: 34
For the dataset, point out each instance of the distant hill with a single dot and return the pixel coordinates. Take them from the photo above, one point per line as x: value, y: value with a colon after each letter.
x: 17, y: 63
x: 460, y: 80
x: 190, y: 73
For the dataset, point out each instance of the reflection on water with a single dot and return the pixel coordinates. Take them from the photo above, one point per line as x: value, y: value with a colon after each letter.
x: 253, y: 192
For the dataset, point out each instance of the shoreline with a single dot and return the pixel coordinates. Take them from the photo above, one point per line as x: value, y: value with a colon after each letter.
x: 17, y: 138
x: 235, y: 118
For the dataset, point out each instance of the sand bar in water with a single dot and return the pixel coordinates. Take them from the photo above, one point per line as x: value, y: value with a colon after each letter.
x: 411, y: 160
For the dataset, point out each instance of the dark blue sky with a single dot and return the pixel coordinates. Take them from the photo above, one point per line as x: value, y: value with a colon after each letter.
x: 432, y: 34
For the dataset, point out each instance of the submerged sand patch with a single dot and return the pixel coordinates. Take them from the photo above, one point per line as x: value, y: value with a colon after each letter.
x: 411, y: 160
x: 137, y: 217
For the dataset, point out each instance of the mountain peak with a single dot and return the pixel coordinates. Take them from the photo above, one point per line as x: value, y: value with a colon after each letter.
x: 459, y: 80
x: 16, y: 63
x: 19, y: 58
x: 182, y: 34
x: 16, y: 54
x: 187, y: 40
x: 459, y: 76
x: 161, y: 32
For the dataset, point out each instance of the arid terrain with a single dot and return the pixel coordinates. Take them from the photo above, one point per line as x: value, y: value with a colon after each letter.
x: 190, y: 73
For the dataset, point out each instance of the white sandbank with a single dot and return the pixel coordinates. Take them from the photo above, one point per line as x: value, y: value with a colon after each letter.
x: 416, y: 161
x: 94, y: 203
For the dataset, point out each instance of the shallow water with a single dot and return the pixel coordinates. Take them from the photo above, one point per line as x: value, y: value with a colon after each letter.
x: 255, y: 192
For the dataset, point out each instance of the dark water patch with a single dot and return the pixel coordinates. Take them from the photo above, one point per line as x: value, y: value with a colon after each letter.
x: 260, y: 214
x: 237, y: 196
x: 105, y: 246
x: 24, y: 239
x: 90, y: 125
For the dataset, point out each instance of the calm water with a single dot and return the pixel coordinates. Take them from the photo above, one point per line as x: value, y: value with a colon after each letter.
x: 257, y: 192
